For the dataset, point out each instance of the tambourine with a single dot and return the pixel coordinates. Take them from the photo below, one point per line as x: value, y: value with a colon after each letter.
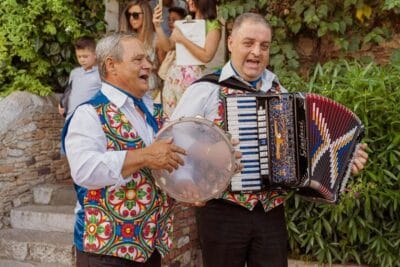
x: 209, y: 163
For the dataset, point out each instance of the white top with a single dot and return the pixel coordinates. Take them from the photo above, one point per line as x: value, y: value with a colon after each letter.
x: 92, y: 166
x: 201, y: 99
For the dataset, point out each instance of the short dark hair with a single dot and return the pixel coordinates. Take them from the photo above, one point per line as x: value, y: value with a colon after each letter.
x: 178, y: 10
x: 252, y: 17
x: 85, y: 42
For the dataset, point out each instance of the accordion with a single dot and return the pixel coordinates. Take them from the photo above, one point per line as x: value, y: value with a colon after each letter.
x: 293, y: 141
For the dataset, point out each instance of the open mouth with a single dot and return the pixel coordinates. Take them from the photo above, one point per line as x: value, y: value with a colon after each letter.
x: 144, y: 77
x: 253, y: 62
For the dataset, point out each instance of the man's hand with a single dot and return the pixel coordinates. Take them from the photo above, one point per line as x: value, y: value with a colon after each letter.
x: 163, y: 154
x: 238, y: 155
x: 360, y: 159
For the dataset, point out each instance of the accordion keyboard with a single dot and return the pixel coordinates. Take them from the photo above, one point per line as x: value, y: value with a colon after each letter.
x: 246, y: 121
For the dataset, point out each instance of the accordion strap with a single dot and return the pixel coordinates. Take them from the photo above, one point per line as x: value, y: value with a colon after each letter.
x: 232, y: 82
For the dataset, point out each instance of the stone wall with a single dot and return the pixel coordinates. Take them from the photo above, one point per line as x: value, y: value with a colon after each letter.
x: 30, y: 130
x: 29, y: 149
x: 185, y: 249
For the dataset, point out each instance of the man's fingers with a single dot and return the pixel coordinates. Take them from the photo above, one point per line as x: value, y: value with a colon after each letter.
x: 177, y: 159
x: 173, y: 163
x: 364, y: 146
x: 199, y: 204
x: 234, y: 141
x: 361, y: 154
x: 359, y: 164
x: 238, y: 167
x: 178, y: 149
x: 238, y: 154
x: 169, y: 168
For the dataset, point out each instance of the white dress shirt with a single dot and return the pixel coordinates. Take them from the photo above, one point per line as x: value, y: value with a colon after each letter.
x: 92, y: 166
x: 201, y: 99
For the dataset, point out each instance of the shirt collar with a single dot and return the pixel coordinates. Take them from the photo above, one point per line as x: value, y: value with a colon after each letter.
x: 267, y: 77
x: 119, y: 99
x: 93, y: 69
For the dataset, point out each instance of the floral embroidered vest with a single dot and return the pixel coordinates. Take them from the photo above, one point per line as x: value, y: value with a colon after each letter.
x: 269, y: 199
x: 133, y: 220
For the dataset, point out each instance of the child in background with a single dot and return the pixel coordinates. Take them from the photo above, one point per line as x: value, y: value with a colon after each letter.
x: 174, y: 14
x: 85, y: 80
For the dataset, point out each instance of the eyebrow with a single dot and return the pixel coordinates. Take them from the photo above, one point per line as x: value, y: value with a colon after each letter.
x: 135, y: 56
x: 253, y: 39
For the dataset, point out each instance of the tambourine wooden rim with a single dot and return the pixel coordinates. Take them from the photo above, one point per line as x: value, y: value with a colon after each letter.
x: 200, y: 120
x: 224, y: 137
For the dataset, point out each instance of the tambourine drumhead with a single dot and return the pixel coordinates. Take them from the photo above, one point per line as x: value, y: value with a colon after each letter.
x: 209, y: 163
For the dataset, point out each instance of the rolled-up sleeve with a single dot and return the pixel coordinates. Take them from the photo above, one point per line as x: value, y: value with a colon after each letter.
x: 92, y: 166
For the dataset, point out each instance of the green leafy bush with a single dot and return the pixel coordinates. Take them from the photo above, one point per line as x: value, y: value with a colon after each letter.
x: 365, y: 226
x: 36, y: 36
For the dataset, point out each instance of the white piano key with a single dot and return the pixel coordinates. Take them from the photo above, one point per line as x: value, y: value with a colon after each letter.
x: 248, y: 150
x: 262, y: 136
x: 247, y: 175
x: 261, y: 112
x: 249, y: 143
x: 241, y: 188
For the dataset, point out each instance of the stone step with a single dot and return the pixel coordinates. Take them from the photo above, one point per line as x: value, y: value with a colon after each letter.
x: 55, y: 194
x: 44, y: 218
x: 34, y: 247
x: 12, y: 263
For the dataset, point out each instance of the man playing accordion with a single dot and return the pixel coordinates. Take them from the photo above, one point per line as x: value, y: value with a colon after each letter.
x: 243, y: 228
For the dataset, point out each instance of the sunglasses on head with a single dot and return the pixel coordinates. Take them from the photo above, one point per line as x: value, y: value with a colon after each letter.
x: 134, y: 15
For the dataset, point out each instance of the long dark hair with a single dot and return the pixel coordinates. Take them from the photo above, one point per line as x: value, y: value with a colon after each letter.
x: 207, y: 8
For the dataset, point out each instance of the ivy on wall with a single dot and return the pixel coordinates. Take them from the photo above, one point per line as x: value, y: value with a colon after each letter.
x: 36, y: 41
x: 351, y: 23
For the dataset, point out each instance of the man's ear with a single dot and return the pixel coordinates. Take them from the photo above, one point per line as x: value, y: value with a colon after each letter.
x: 110, y: 66
x: 230, y: 43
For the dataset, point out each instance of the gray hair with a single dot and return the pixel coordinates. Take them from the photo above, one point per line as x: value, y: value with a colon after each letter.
x: 110, y: 46
x: 252, y: 17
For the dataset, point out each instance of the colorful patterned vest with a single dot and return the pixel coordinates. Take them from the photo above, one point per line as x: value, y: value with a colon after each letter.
x: 133, y: 220
x: 269, y: 199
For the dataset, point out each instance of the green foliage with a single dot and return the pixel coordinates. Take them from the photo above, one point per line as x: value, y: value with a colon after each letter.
x: 365, y: 226
x: 36, y: 36
x: 351, y: 23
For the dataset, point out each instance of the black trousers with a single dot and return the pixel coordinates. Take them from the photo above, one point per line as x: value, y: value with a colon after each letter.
x: 231, y: 235
x: 84, y: 259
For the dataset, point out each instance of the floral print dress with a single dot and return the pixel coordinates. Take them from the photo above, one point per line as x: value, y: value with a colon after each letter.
x: 180, y: 77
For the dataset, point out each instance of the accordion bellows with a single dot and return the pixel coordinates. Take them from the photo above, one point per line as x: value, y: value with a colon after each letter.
x: 303, y: 142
